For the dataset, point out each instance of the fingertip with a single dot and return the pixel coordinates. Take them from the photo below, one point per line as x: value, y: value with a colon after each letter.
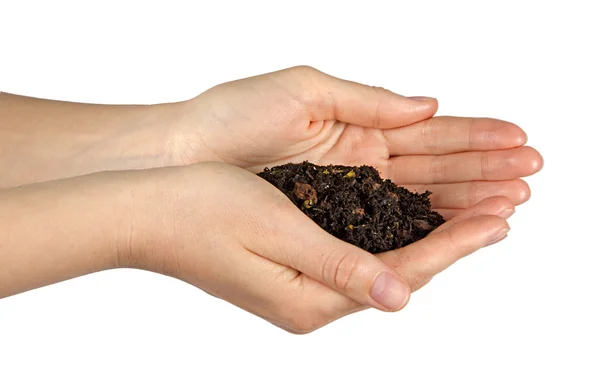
x: 491, y: 133
x: 522, y: 192
x: 489, y: 223
x: 482, y: 229
x: 389, y: 292
x: 501, y: 235
x: 521, y: 138
x: 500, y: 206
x: 496, y: 204
x: 533, y: 161
x: 425, y: 105
x: 518, y: 134
x: 498, y: 233
x: 402, y: 111
x: 422, y: 99
x: 479, y: 231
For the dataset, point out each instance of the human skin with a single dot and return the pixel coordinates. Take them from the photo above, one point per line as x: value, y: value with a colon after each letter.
x: 290, y: 115
x: 211, y: 224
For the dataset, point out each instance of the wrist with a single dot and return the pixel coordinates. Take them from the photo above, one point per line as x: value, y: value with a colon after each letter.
x: 141, y: 137
x: 147, y: 236
x: 185, y: 140
x: 169, y: 206
x: 76, y: 139
x: 148, y: 136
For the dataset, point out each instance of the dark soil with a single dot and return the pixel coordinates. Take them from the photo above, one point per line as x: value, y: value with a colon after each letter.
x: 356, y: 205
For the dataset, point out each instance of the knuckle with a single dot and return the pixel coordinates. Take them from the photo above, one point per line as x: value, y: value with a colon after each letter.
x: 305, y: 86
x: 339, y: 268
x: 451, y: 243
x: 486, y: 166
x: 438, y: 167
x: 303, y: 326
x: 379, y: 90
x: 431, y: 136
x: 298, y: 311
x: 471, y: 134
x: 300, y: 320
x: 379, y: 97
x: 303, y: 71
x: 472, y: 194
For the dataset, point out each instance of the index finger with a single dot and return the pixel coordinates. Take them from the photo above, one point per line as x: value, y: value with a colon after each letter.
x: 445, y: 135
x: 417, y: 263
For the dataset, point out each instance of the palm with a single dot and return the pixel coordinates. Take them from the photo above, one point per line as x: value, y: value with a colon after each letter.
x: 335, y: 143
x: 354, y: 145
x: 271, y: 119
x: 489, y: 163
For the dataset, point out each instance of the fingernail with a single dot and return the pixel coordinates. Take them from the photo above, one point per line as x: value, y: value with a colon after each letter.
x: 421, y: 99
x: 389, y: 291
x: 507, y: 213
x: 498, y: 237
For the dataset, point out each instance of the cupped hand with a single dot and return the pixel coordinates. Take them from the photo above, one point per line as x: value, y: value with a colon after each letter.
x: 302, y: 114
x: 236, y: 236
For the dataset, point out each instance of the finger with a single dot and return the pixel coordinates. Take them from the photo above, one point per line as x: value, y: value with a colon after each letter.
x: 450, y: 213
x: 331, y: 98
x: 467, y: 194
x: 444, y: 135
x: 333, y: 305
x: 498, y: 205
x: 420, y: 261
x: 465, y: 166
x: 297, y: 242
x: 277, y: 293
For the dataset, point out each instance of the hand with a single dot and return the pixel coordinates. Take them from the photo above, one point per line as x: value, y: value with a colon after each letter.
x: 302, y: 114
x: 235, y: 236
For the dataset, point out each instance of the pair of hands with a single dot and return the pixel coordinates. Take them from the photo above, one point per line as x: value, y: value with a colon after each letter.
x: 229, y: 232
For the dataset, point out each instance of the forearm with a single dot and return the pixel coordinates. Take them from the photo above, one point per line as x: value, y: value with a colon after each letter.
x: 61, y: 229
x: 42, y: 140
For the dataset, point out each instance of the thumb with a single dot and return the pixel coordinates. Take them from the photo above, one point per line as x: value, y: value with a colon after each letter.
x: 338, y: 99
x: 302, y: 245
x: 421, y: 261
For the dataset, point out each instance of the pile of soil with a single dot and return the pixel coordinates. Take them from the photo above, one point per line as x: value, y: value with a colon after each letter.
x: 356, y: 205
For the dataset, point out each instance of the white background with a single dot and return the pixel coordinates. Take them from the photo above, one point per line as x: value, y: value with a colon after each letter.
x: 520, y: 316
